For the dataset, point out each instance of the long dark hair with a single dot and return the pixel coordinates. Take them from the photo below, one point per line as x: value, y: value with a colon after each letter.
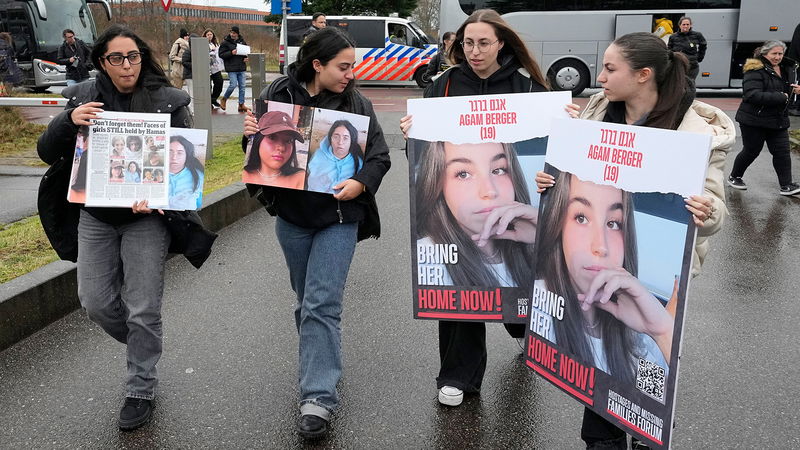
x: 436, y: 221
x: 290, y: 167
x: 214, y: 36
x: 513, y: 45
x: 192, y: 163
x: 151, y: 76
x: 641, y: 50
x: 322, y: 45
x: 136, y: 140
x: 355, y: 149
x: 619, y: 341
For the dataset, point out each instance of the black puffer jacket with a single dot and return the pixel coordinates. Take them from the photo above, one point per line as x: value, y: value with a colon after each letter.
x: 692, y: 44
x: 765, y: 94
x: 461, y: 80
x: 57, y: 144
x: 316, y: 210
x: 233, y: 63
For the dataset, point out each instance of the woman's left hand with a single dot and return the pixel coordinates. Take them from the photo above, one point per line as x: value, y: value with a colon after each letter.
x: 635, y: 306
x: 701, y: 208
x: 573, y: 110
x: 515, y: 222
x: 348, y: 189
x: 140, y: 207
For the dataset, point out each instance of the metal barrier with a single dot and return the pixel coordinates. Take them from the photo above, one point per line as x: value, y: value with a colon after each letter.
x: 33, y: 101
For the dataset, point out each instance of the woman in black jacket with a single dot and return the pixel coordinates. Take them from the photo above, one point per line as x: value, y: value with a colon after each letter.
x: 441, y: 60
x: 318, y: 232
x: 769, y: 81
x: 490, y: 59
x: 691, y: 43
x: 120, y: 252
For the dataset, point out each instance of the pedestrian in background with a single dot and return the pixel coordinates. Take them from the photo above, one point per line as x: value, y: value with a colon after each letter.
x: 318, y: 232
x: 235, y: 65
x: 74, y: 54
x: 769, y: 80
x: 121, y: 252
x: 216, y: 67
x: 691, y: 43
x: 9, y: 71
x: 490, y: 59
x: 793, y: 53
x: 441, y: 60
x: 318, y: 22
x: 175, y: 56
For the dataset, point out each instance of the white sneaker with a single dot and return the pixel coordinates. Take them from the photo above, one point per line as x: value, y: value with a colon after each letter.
x: 451, y: 396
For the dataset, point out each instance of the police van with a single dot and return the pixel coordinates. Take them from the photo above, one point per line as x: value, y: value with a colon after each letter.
x: 388, y: 49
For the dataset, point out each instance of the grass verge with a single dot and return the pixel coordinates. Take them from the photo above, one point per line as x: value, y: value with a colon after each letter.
x: 24, y: 246
x: 17, y: 136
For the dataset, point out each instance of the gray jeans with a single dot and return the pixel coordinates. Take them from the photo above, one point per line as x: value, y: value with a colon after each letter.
x: 120, y: 283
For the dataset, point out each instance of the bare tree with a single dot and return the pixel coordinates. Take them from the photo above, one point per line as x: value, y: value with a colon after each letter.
x: 427, y: 16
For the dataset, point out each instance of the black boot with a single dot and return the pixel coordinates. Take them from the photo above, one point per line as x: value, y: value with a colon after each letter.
x: 312, y: 427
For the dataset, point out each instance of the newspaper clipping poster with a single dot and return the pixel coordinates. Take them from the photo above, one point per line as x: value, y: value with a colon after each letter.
x: 126, y: 157
x: 613, y: 259
x: 472, y: 162
x: 305, y: 148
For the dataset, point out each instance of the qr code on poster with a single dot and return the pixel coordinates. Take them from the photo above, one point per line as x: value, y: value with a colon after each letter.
x: 650, y: 379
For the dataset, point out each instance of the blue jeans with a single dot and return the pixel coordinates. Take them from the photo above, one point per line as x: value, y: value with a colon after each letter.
x: 235, y: 79
x: 120, y: 283
x: 318, y: 261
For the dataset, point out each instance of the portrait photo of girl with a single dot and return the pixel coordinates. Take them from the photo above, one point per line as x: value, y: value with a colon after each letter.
x: 587, y: 253
x: 118, y: 147
x: 116, y: 171
x: 271, y: 158
x: 475, y: 196
x: 338, y: 157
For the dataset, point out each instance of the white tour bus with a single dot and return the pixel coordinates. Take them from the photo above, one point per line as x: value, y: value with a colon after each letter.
x: 568, y: 37
x: 388, y: 48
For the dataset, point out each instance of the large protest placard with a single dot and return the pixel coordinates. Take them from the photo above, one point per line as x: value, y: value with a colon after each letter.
x: 305, y: 148
x: 613, y: 260
x: 472, y: 163
x: 127, y: 157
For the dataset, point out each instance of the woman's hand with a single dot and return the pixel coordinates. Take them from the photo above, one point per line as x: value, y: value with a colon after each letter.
x: 140, y: 207
x: 635, y: 306
x: 515, y: 222
x: 701, y: 208
x: 348, y: 189
x: 82, y: 115
x: 405, y: 125
x: 250, y: 124
x: 543, y: 181
x: 573, y: 110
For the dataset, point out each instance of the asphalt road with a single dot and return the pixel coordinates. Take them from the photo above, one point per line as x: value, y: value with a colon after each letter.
x: 228, y: 373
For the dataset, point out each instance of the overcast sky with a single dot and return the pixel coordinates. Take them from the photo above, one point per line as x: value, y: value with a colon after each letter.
x: 250, y: 4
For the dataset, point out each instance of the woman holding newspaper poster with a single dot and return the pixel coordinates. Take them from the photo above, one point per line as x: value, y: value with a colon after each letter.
x: 318, y: 232
x: 644, y: 83
x: 490, y: 59
x: 121, y: 252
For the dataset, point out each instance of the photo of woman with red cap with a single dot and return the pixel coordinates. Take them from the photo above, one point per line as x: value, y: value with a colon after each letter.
x: 272, y: 158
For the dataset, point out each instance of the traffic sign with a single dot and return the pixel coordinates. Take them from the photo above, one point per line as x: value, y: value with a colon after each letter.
x: 166, y: 4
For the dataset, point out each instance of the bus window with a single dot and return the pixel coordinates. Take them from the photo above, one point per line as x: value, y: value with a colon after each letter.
x: 509, y: 6
x: 296, y: 29
x: 366, y: 33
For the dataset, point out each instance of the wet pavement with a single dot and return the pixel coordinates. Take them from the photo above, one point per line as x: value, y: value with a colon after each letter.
x: 229, y: 370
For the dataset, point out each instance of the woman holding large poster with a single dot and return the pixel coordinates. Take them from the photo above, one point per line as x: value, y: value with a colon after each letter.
x: 644, y: 83
x: 318, y: 232
x: 489, y: 59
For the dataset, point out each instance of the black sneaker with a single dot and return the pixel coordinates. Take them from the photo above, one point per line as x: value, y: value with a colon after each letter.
x: 790, y: 189
x: 134, y: 413
x: 737, y: 183
x: 311, y: 426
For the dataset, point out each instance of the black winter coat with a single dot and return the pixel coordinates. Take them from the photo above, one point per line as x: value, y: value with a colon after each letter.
x: 461, y: 80
x: 233, y: 63
x: 57, y: 144
x: 79, y: 69
x: 692, y: 44
x: 317, y: 210
x: 765, y: 95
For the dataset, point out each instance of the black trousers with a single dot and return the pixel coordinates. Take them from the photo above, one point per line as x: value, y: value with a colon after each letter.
x: 462, y: 353
x: 599, y: 433
x: 753, y: 139
x: 216, y: 86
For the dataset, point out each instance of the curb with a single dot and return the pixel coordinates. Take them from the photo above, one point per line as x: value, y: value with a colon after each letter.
x: 39, y: 298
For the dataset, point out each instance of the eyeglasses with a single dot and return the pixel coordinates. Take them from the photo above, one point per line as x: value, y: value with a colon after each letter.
x: 483, y: 46
x: 117, y: 59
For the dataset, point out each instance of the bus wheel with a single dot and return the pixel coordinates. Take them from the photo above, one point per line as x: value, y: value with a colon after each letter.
x: 420, y: 78
x: 569, y: 75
